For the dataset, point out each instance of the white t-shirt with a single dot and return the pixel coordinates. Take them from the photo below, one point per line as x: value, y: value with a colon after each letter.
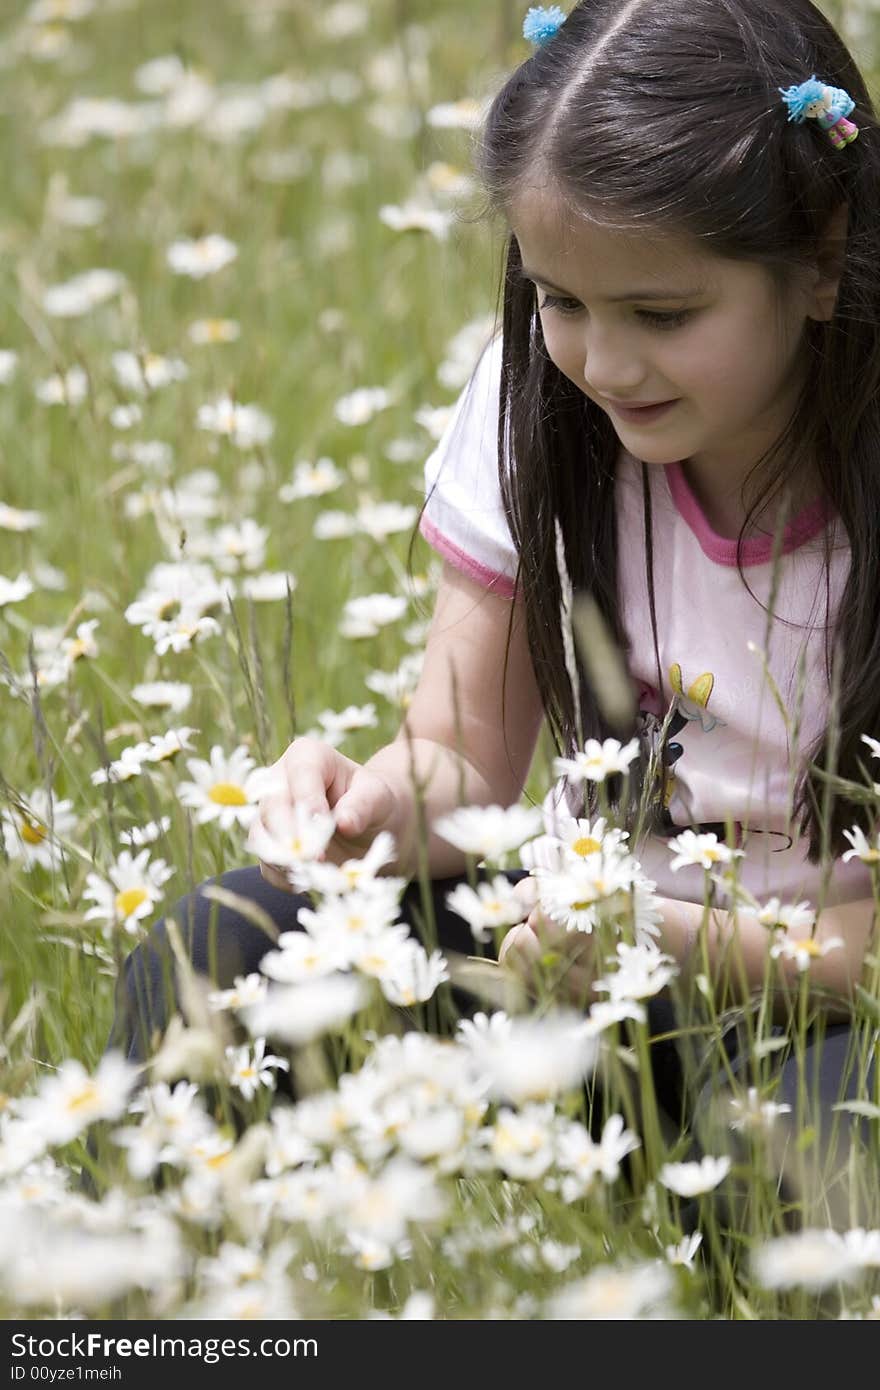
x: 734, y: 760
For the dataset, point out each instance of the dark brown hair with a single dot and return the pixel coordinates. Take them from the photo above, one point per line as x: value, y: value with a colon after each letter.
x: 667, y: 115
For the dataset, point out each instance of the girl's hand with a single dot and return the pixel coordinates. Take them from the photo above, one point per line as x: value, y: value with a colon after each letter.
x: 541, y: 953
x: 313, y: 776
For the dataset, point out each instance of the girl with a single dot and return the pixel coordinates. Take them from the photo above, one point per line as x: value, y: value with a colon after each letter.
x: 686, y: 386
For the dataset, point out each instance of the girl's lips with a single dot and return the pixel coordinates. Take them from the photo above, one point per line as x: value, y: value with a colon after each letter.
x: 642, y: 414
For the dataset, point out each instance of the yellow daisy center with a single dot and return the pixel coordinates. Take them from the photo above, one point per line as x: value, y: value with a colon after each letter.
x: 810, y: 947
x: 129, y: 900
x: 585, y: 845
x: 32, y: 832
x: 83, y: 1097
x: 227, y: 794
x: 216, y: 330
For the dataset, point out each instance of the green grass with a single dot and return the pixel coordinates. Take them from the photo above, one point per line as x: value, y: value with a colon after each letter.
x: 397, y: 300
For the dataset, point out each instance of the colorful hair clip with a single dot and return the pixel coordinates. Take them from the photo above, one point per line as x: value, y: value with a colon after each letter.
x: 830, y: 106
x: 541, y: 23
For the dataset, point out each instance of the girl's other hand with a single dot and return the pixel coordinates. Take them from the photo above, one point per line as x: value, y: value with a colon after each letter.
x: 543, y: 954
x: 314, y: 777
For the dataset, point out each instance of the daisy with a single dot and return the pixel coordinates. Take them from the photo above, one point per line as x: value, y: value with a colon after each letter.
x: 182, y: 633
x: 522, y: 1143
x: 805, y: 951
x: 363, y: 617
x: 130, y: 891
x: 304, y: 957
x: 383, y: 519
x: 312, y: 480
x: 172, y: 695
x: 684, y: 1253
x: 69, y: 1100
x: 82, y: 644
x: 172, y: 1121
x: 448, y: 181
x: 693, y: 1179
x: 414, y: 216
x: 340, y: 880
x: 8, y: 365
x: 31, y: 829
x: 270, y: 587
x: 873, y: 744
x: 536, y: 1059
x: 578, y: 1153
x: 413, y: 975
x: 704, y: 851
x: 203, y: 256
x: 65, y: 388
x: 147, y: 371
x: 225, y: 788
x: 79, y: 212
x: 642, y: 971
x: 125, y: 417
x: 597, y: 760
x: 808, y: 1259
x: 606, y: 1012
x: 434, y: 419
x: 162, y: 747
x: 489, y: 831
x: 246, y: 989
x: 788, y: 916
x: 862, y: 847
x: 359, y: 407
x: 291, y: 838
x: 81, y: 294
x: 297, y: 1014
x: 375, y: 952
x: 753, y: 1112
x: 247, y: 1069
x: 487, y: 907
x: 352, y: 717
x: 397, y: 686
x: 573, y: 896
x: 465, y: 114
x: 14, y: 519
x: 233, y: 546
x: 572, y: 841
x: 14, y: 590
x: 207, y: 331
x: 247, y: 426
x: 148, y: 834
x: 334, y: 526
x: 129, y: 764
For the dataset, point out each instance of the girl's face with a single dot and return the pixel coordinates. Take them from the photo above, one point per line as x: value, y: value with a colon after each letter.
x: 637, y: 320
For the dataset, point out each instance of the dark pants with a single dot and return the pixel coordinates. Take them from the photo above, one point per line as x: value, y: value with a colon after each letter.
x: 222, y: 944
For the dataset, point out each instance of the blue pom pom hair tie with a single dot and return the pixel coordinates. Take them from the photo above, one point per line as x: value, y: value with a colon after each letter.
x: 541, y: 23
x: 828, y: 106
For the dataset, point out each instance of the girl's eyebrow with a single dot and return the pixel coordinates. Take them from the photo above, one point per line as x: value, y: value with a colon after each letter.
x: 614, y: 298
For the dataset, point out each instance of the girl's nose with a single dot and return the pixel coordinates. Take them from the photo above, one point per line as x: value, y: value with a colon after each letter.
x: 611, y: 368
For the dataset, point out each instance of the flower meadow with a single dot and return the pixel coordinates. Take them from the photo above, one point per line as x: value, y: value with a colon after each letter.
x: 245, y: 280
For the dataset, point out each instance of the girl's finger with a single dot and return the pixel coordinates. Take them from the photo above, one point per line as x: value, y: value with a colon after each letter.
x: 519, y: 946
x: 277, y: 877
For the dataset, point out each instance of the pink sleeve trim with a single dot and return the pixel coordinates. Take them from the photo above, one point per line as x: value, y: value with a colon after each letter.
x: 489, y: 579
x: 755, y: 551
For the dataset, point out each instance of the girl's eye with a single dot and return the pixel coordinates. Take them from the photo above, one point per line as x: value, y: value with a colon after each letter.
x: 563, y: 306
x: 668, y: 320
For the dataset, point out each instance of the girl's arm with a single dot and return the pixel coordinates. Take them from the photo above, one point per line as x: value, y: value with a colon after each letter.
x: 456, y: 739
x: 733, y: 950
